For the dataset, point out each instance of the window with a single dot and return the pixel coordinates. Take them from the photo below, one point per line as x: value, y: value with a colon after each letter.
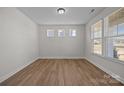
x: 72, y: 32
x: 61, y: 33
x: 50, y: 33
x: 114, y: 35
x: 96, y: 37
x: 110, y: 42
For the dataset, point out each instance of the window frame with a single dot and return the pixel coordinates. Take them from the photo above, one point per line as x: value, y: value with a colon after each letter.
x: 63, y: 30
x: 92, y: 39
x: 106, y: 37
x: 71, y: 32
x: 50, y: 30
x: 104, y: 41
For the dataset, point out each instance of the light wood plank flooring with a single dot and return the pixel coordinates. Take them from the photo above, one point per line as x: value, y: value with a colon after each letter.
x: 55, y: 72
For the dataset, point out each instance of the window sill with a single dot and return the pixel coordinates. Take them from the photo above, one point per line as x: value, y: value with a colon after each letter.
x: 109, y: 59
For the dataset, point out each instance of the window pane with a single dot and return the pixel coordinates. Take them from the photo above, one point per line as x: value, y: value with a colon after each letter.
x: 97, y: 29
x: 121, y: 29
x: 115, y: 47
x: 61, y: 33
x: 112, y: 30
x: 72, y: 33
x: 115, y: 23
x: 50, y: 33
x: 97, y: 46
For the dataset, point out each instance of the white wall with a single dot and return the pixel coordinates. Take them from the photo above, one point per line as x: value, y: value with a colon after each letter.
x: 19, y: 44
x: 65, y: 47
x: 18, y: 41
x: 112, y: 67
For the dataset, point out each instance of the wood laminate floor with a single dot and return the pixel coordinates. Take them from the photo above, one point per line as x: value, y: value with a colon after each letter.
x: 54, y: 72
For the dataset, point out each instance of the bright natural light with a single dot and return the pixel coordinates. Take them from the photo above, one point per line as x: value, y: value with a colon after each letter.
x: 115, y: 35
x: 72, y: 32
x: 96, y: 36
x: 50, y: 33
x: 61, y: 33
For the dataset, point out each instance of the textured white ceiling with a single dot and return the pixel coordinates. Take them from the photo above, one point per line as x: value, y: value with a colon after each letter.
x: 48, y: 15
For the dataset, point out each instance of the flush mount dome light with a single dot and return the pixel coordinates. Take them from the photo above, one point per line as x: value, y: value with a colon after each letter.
x: 60, y: 10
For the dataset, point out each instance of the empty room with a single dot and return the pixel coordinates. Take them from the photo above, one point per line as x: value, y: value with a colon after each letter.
x: 61, y: 46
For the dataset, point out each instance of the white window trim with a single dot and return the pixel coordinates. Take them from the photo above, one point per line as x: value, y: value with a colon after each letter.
x: 48, y: 30
x: 71, y: 31
x: 63, y: 32
x: 109, y: 58
x: 92, y: 39
x: 104, y: 49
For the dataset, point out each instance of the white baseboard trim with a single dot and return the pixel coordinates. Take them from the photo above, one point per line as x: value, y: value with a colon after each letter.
x: 61, y: 57
x: 17, y: 70
x: 108, y: 71
x: 22, y: 67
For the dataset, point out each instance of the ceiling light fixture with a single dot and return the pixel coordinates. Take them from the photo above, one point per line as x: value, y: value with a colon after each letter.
x: 60, y: 10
